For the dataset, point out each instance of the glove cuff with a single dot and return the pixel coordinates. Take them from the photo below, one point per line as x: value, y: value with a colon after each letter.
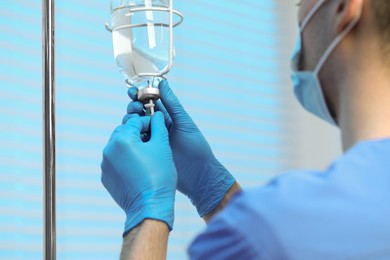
x: 157, y: 210
x: 209, y: 196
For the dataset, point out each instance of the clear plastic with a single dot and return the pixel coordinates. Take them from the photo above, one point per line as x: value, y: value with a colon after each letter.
x: 115, y: 4
x: 141, y: 50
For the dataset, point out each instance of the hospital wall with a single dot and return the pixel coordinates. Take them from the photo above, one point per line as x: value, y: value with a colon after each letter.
x: 231, y: 73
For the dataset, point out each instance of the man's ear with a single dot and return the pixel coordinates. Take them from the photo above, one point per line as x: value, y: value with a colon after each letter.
x: 347, y: 11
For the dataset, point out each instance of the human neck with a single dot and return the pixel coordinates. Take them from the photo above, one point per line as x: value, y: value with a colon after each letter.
x: 364, y: 111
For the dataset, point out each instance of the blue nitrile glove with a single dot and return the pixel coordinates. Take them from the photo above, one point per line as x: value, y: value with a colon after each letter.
x: 200, y: 175
x: 141, y: 176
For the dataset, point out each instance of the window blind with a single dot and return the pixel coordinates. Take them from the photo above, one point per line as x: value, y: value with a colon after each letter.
x: 21, y: 131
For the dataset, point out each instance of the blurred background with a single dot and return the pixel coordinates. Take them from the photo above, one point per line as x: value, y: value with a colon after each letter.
x: 231, y: 73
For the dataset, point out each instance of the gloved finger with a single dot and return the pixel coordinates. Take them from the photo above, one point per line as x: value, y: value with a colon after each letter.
x: 160, y: 107
x: 172, y: 104
x: 132, y: 92
x: 135, y: 107
x: 158, y: 129
x: 135, y: 127
x: 128, y: 117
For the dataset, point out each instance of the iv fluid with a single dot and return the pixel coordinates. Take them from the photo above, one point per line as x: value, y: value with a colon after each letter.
x: 137, y: 61
x: 142, y: 49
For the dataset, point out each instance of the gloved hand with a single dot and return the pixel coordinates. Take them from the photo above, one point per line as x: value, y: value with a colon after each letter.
x: 141, y: 176
x: 200, y: 175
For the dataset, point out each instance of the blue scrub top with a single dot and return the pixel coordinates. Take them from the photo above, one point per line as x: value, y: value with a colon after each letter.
x: 340, y: 213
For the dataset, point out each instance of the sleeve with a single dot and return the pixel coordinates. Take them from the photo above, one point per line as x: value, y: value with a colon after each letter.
x: 221, y: 241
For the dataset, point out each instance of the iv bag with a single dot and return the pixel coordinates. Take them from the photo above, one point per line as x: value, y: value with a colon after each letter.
x: 140, y: 50
x: 142, y: 39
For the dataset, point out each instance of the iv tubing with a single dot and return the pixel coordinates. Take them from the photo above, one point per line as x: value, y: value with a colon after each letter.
x: 150, y: 105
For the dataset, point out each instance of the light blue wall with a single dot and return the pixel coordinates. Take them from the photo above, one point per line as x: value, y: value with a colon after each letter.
x: 226, y: 72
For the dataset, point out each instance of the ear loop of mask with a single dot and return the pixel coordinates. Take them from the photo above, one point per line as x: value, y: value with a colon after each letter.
x: 337, y: 41
x: 304, y: 23
x: 310, y: 15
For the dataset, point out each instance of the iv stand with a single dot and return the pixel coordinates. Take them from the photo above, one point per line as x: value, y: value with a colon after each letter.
x: 48, y: 60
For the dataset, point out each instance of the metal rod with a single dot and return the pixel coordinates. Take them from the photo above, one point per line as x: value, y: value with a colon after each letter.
x: 49, y: 187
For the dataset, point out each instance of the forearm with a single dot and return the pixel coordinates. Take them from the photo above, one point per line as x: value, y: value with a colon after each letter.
x: 148, y: 240
x: 236, y: 187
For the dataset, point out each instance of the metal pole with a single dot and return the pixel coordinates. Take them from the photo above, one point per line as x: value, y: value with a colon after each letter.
x: 49, y: 131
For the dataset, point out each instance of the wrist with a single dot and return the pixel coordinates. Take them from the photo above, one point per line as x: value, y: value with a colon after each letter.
x: 215, y: 182
x: 229, y: 194
x: 157, y: 207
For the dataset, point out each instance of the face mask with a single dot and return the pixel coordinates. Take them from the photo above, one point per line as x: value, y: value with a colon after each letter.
x: 307, y: 86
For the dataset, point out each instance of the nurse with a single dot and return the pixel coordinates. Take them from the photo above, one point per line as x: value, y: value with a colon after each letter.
x: 341, y: 73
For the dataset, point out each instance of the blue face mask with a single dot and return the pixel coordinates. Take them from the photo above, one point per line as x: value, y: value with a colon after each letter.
x: 307, y: 86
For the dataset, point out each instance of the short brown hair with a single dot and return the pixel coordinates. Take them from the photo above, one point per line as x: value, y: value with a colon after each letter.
x: 381, y: 13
